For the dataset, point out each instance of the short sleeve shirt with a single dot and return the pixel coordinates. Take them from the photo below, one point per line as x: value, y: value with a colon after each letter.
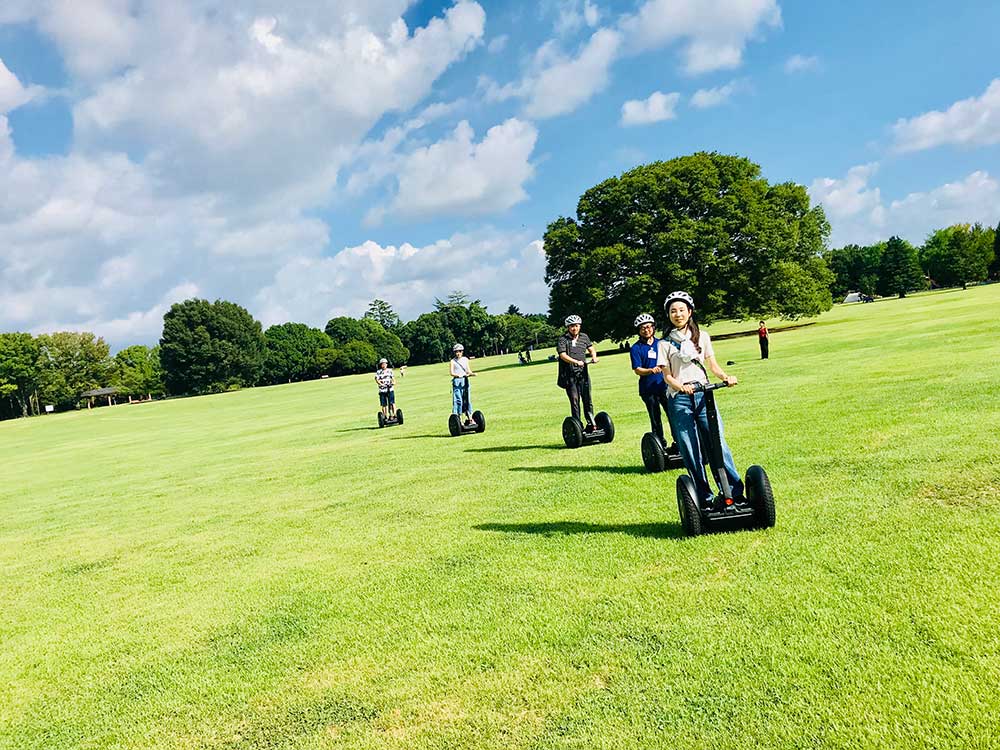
x: 460, y: 365
x: 648, y: 357
x: 384, y: 380
x: 680, y: 353
x: 577, y: 349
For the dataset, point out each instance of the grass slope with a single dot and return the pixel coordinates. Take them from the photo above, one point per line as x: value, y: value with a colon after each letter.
x: 265, y: 569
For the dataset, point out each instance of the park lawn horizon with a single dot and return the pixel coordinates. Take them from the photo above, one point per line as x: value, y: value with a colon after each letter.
x: 266, y: 568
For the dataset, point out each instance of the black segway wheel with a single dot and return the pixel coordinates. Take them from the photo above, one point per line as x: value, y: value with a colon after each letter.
x: 673, y: 459
x: 381, y: 420
x: 572, y: 430
x: 604, y: 423
x: 455, y: 425
x: 758, y: 489
x: 687, y: 506
x: 399, y: 416
x: 652, y: 453
x: 480, y: 419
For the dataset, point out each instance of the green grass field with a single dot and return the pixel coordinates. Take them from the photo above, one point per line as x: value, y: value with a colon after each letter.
x: 264, y: 569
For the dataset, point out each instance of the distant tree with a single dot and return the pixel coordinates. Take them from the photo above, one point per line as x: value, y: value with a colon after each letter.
x: 344, y: 330
x: 325, y: 362
x: 707, y: 223
x: 136, y: 372
x: 18, y: 370
x: 456, y: 297
x: 855, y: 268
x: 291, y: 352
x: 382, y: 312
x: 994, y: 272
x: 355, y: 357
x: 208, y: 347
x: 513, y: 310
x: 428, y: 338
x: 958, y: 254
x: 69, y: 363
x: 386, y: 343
x: 899, y: 269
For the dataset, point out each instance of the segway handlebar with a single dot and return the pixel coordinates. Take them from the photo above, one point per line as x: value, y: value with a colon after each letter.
x: 703, y: 387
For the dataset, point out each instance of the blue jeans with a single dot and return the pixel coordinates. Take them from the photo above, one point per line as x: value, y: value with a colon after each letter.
x: 691, y: 433
x: 461, y: 402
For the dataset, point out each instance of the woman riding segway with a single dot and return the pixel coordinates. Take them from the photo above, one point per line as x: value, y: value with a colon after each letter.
x: 463, y: 419
x: 683, y: 355
x: 573, y: 349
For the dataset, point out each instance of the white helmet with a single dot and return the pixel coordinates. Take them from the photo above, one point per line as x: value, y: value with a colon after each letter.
x: 573, y: 320
x: 458, y: 348
x: 674, y: 296
x: 643, y: 319
x: 383, y: 361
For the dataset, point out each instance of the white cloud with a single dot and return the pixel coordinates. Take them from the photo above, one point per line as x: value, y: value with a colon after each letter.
x: 657, y: 107
x: 858, y: 213
x: 801, y: 63
x: 457, y: 175
x: 715, y: 31
x: 496, y: 267
x: 237, y: 120
x: 497, y: 44
x: 573, y: 15
x: 969, y: 122
x: 12, y: 93
x: 706, y: 98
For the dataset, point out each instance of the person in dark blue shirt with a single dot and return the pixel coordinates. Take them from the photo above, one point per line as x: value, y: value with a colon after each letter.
x: 652, y: 387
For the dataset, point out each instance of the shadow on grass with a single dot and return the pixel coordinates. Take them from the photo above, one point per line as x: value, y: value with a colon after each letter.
x: 359, y: 429
x: 556, y: 528
x: 575, y: 468
x: 421, y: 437
x: 511, y: 448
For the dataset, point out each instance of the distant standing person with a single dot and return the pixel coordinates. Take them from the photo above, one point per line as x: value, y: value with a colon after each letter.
x: 573, y: 348
x: 461, y: 371
x: 386, y: 388
x: 762, y: 338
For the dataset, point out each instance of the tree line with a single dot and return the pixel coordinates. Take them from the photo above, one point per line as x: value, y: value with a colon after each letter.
x: 209, y: 347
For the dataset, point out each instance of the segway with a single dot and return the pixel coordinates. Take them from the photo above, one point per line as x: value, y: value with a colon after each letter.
x: 384, y: 421
x: 575, y: 435
x: 755, y: 510
x: 657, y: 456
x: 457, y: 427
x: 455, y: 424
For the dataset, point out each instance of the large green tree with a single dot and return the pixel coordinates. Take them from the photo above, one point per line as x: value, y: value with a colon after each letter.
x: 208, y: 347
x: 994, y: 272
x: 355, y: 357
x: 18, y: 371
x: 137, y: 372
x: 855, y: 268
x: 899, y: 269
x: 343, y: 330
x: 291, y: 352
x: 707, y: 223
x: 69, y: 363
x: 385, y: 343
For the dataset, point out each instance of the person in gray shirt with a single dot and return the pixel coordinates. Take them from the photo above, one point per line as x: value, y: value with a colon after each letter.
x: 573, y: 348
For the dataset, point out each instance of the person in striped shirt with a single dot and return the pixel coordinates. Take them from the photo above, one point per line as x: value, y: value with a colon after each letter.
x: 386, y: 388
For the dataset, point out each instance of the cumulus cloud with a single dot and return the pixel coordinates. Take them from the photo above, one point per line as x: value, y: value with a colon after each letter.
x: 236, y: 120
x: 801, y: 63
x: 714, y: 32
x: 969, y: 122
x: 573, y: 15
x: 858, y: 213
x: 713, y: 97
x: 657, y: 107
x: 499, y: 268
x: 12, y: 93
x: 457, y: 175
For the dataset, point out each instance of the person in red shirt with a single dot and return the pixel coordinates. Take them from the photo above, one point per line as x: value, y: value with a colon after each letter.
x: 762, y: 337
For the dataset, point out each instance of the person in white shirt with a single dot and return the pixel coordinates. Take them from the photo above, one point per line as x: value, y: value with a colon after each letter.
x: 684, y: 353
x: 386, y: 388
x: 461, y: 371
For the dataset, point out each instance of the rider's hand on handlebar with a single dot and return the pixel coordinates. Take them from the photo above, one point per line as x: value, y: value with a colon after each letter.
x: 688, y: 389
x: 730, y: 380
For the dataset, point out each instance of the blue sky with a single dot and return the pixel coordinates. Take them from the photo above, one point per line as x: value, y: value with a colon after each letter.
x: 303, y: 158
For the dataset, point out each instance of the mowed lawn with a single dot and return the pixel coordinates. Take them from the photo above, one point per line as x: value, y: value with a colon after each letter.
x: 265, y: 569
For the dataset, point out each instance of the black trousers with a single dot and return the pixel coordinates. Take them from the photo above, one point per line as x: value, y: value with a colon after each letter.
x: 579, y: 387
x: 763, y: 347
x: 653, y: 402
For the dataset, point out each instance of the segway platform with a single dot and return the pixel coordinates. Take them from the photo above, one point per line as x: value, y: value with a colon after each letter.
x: 384, y: 421
x: 575, y: 435
x: 657, y: 457
x: 456, y: 427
